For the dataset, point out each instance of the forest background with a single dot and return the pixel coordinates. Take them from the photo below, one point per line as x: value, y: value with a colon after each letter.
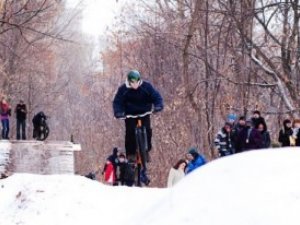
x: 208, y: 58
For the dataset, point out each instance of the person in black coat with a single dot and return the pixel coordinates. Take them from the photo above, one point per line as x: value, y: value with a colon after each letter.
x: 38, y: 120
x: 285, y: 133
x: 21, y: 113
x: 136, y: 97
x: 258, y: 119
x: 237, y: 130
x: 266, y: 140
x: 125, y: 171
x: 249, y: 138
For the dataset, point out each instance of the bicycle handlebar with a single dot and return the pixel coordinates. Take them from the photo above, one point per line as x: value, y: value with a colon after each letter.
x: 138, y: 116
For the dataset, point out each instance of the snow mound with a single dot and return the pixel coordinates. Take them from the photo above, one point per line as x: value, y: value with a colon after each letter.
x: 253, y: 188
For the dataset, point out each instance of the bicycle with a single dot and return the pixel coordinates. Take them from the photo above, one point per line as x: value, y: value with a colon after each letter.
x: 142, y: 148
x: 40, y: 128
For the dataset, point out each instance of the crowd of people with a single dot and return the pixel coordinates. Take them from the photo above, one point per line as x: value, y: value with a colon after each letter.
x: 21, y: 116
x: 118, y: 170
x: 236, y: 136
x: 247, y: 134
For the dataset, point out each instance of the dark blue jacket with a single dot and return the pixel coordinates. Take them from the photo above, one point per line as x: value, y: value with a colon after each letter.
x: 139, y: 101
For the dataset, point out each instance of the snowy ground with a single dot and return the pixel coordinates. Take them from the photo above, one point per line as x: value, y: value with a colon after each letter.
x: 257, y: 188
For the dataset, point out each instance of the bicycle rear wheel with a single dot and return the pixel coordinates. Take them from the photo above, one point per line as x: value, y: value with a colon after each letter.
x: 44, y: 132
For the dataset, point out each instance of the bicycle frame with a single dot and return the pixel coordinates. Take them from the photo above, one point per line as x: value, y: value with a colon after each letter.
x: 141, y: 144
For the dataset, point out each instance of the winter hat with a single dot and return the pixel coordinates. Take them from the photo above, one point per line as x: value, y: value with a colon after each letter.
x: 115, y: 151
x: 193, y: 151
x: 231, y: 117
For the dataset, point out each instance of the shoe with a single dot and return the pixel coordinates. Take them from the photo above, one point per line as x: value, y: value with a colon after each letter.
x: 148, y: 157
x: 147, y: 182
x: 144, y: 178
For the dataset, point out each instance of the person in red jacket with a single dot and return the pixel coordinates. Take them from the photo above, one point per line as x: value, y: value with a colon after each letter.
x: 109, y: 173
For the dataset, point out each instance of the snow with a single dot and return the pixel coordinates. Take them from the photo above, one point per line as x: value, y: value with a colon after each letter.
x: 253, y: 188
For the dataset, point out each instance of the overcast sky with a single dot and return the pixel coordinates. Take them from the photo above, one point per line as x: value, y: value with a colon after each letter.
x: 97, y: 15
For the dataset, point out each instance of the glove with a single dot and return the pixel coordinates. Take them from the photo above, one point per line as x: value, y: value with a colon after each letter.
x: 157, y: 109
x: 119, y: 115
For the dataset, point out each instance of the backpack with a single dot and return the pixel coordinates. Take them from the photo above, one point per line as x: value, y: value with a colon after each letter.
x: 91, y: 176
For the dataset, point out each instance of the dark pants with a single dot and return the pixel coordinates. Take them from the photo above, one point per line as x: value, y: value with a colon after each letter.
x: 21, y: 128
x: 130, y: 140
x: 5, y: 128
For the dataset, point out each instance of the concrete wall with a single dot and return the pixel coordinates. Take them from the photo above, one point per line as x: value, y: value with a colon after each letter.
x: 37, y: 157
x: 5, y: 147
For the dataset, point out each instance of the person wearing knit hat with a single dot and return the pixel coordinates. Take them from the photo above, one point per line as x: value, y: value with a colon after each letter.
x: 231, y: 118
x: 195, y: 160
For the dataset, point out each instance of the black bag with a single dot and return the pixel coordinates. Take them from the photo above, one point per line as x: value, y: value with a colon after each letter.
x: 91, y: 176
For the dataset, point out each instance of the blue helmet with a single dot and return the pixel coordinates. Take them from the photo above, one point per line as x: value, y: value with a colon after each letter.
x: 133, y: 75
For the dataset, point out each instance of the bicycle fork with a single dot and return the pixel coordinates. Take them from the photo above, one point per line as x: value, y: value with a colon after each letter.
x: 142, y: 147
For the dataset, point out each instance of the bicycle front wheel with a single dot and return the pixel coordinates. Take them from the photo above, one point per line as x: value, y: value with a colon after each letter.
x: 141, y: 145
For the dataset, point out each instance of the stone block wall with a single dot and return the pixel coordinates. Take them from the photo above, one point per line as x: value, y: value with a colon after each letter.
x: 37, y: 157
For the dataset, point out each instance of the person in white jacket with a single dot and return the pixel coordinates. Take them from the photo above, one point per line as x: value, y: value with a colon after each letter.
x: 177, y: 172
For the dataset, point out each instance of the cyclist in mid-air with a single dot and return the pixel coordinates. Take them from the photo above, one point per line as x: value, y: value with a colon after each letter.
x: 136, y: 97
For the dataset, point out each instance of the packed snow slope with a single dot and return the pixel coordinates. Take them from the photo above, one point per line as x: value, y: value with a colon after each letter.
x: 253, y: 188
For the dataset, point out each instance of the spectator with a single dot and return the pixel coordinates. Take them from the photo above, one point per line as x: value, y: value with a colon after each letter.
x: 109, y: 173
x: 38, y: 121
x: 240, y: 127
x: 21, y: 113
x: 296, y: 133
x: 111, y: 163
x: 231, y: 118
x: 5, y: 113
x: 125, y: 171
x: 224, y: 141
x: 257, y: 119
x: 285, y: 133
x: 176, y: 173
x: 266, y: 140
x: 195, y: 160
x: 249, y: 138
